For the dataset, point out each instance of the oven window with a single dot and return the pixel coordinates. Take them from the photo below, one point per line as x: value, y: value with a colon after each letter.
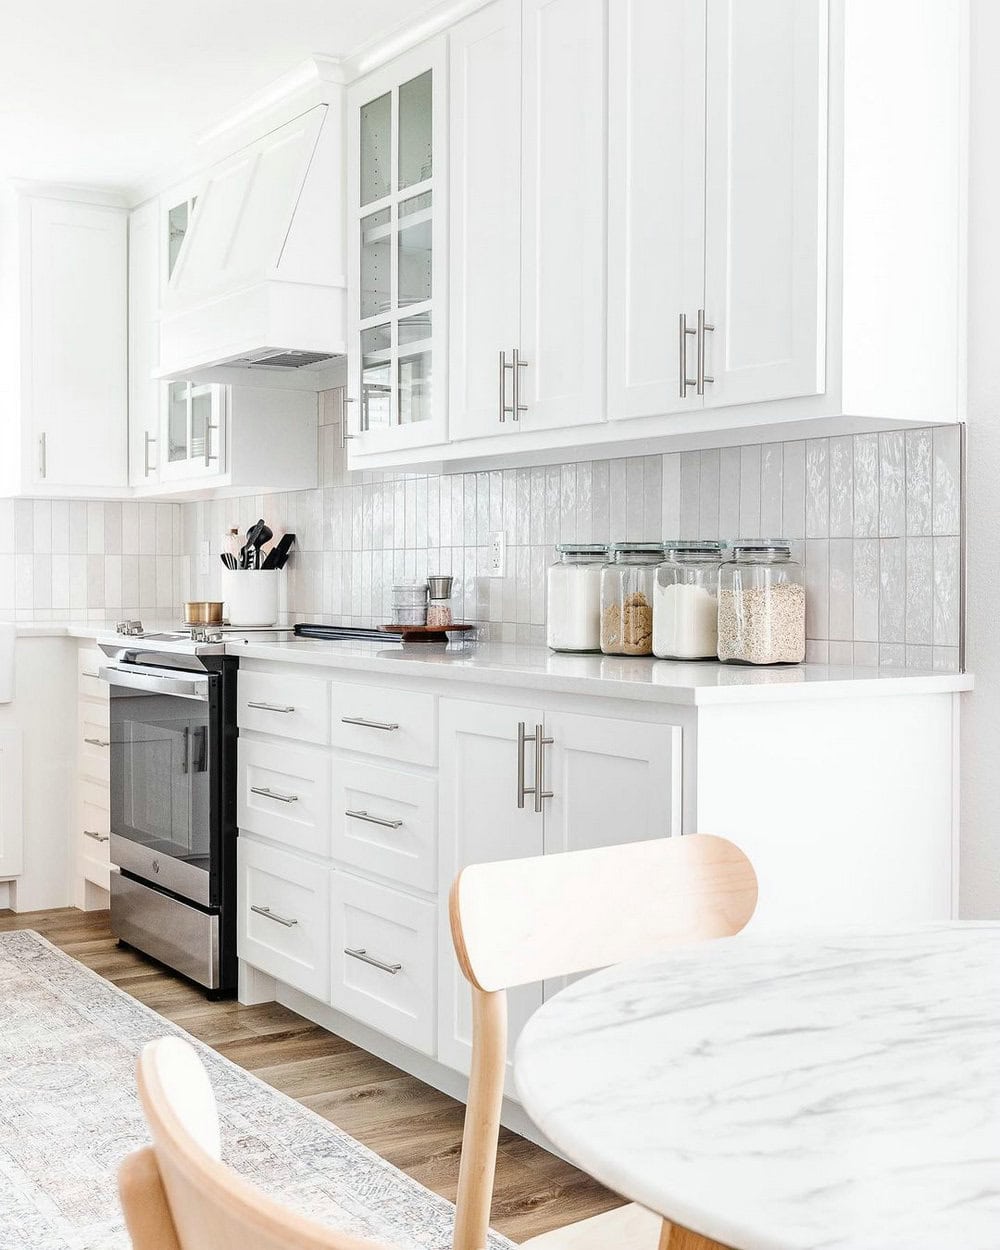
x: 160, y: 794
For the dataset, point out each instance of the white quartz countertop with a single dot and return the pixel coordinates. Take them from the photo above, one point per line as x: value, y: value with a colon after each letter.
x: 663, y: 681
x: 799, y: 1093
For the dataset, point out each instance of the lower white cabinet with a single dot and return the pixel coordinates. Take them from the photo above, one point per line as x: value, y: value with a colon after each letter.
x: 283, y: 916
x: 385, y: 823
x: 284, y: 794
x: 11, y: 827
x: 384, y: 966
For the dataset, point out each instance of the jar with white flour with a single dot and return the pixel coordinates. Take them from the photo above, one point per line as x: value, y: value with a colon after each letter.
x: 686, y: 603
x: 573, y: 597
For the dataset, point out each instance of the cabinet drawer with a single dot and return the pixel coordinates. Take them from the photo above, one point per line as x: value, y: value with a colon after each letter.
x: 378, y: 720
x: 291, y: 707
x: 89, y: 663
x: 284, y: 794
x: 93, y: 814
x: 93, y: 741
x: 384, y: 959
x: 385, y: 822
x: 283, y: 920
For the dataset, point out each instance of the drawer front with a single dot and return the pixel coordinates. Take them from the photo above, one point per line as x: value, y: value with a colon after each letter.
x: 94, y: 831
x: 385, y: 822
x: 89, y: 684
x: 283, y: 917
x: 284, y: 794
x: 389, y: 980
x: 378, y: 720
x: 291, y: 707
x: 93, y: 755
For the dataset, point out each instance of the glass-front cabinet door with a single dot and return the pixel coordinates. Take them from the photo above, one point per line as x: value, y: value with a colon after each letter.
x: 397, y: 387
x: 193, y: 434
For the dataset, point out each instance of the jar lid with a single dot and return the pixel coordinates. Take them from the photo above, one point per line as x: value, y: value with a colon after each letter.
x: 696, y: 547
x: 636, y: 549
x: 582, y: 549
x: 762, y: 546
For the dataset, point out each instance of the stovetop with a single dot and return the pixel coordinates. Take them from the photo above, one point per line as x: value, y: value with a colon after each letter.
x: 131, y: 644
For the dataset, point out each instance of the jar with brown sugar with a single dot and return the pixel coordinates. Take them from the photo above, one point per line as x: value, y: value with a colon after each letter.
x: 627, y: 582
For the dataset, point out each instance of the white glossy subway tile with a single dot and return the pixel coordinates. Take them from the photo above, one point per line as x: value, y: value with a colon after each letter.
x: 817, y: 573
x: 866, y: 500
x: 919, y: 459
x: 947, y: 480
x: 749, y: 492
x: 770, y: 491
x: 730, y: 469
x: 690, y: 505
x: 892, y: 590
x: 670, y: 503
x: 891, y: 472
x: 817, y: 488
x: 793, y: 490
x: 919, y: 591
x: 841, y: 487
x: 708, y: 495
x: 866, y: 590
x: 841, y: 588
x: 947, y: 591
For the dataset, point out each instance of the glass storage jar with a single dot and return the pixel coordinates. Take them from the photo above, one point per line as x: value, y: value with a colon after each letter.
x: 573, y: 597
x: 686, y: 601
x: 439, y: 613
x: 762, y: 604
x: 627, y: 598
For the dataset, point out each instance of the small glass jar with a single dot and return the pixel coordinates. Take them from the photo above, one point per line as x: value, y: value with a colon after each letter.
x: 686, y: 601
x: 409, y: 602
x: 762, y: 604
x: 627, y: 598
x: 573, y: 597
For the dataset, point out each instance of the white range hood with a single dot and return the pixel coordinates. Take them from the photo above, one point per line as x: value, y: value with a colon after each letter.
x: 260, y: 280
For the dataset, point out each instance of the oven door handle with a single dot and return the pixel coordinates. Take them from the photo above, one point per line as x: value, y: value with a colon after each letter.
x: 194, y: 687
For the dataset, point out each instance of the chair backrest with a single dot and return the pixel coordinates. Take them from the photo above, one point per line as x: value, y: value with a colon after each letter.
x: 179, y: 1196
x: 522, y: 920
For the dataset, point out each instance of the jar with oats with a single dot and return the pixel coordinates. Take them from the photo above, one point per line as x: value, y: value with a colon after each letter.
x: 762, y: 604
x: 627, y: 582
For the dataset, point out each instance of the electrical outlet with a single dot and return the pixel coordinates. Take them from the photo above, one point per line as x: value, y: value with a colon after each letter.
x: 204, y: 556
x: 498, y: 553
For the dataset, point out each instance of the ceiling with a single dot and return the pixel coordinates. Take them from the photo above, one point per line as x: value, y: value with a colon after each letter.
x: 106, y: 93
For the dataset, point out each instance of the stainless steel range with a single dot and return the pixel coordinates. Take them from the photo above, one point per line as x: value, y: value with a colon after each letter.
x: 173, y: 799
x: 173, y: 791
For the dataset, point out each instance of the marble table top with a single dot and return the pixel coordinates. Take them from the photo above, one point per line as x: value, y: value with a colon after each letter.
x: 807, y: 1093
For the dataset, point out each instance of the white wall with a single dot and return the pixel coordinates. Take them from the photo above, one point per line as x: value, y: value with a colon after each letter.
x: 980, y: 897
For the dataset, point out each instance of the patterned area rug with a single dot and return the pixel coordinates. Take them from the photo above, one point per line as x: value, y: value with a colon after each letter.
x: 69, y: 1113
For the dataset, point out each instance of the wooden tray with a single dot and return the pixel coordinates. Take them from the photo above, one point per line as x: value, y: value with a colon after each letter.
x: 425, y: 633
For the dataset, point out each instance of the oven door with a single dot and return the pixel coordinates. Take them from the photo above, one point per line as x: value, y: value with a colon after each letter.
x: 163, y: 744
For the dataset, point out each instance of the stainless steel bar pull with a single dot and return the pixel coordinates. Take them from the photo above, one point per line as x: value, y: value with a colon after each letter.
x: 208, y: 444
x: 271, y: 707
x: 703, y: 329
x: 360, y: 814
x: 97, y: 742
x: 147, y: 439
x: 519, y: 364
x: 682, y: 338
x: 268, y: 793
x: 344, y: 436
x: 43, y: 458
x: 504, y: 406
x: 540, y: 744
x: 273, y: 915
x: 388, y: 726
x: 98, y: 837
x: 522, y: 789
x: 359, y: 952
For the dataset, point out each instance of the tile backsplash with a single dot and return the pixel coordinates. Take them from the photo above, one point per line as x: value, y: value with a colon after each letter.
x: 69, y: 559
x: 874, y: 517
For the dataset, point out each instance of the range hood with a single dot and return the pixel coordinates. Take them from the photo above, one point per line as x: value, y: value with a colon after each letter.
x: 259, y: 283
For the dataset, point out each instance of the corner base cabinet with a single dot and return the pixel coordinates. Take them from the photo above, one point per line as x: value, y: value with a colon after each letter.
x: 364, y: 792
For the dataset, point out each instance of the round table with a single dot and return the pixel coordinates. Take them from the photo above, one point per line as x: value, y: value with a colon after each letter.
x: 787, y: 1093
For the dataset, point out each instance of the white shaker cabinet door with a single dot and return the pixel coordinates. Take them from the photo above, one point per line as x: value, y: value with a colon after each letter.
x: 563, y: 205
x: 484, y: 217
x: 479, y: 821
x: 766, y: 157
x: 656, y: 202
x: 145, y: 393
x: 612, y: 781
x: 76, y: 353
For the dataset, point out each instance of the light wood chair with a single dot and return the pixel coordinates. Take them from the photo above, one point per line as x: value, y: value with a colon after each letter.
x: 523, y: 920
x: 177, y: 1195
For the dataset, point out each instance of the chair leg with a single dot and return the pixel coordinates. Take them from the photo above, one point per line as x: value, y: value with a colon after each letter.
x: 673, y: 1237
x: 482, y: 1120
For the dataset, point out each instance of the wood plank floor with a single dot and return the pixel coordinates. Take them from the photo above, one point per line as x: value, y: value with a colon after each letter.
x: 402, y: 1119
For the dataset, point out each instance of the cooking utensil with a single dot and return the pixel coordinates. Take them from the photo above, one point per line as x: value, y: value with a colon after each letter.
x: 248, y: 555
x: 229, y: 560
x: 264, y: 535
x: 203, y: 612
x: 277, y: 557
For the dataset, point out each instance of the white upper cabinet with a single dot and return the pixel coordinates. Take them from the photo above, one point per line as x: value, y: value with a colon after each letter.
x: 528, y: 217
x: 765, y: 201
x: 485, y: 220
x: 656, y: 202
x: 65, y: 318
x: 717, y: 261
x: 397, y: 254
x: 144, y: 391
